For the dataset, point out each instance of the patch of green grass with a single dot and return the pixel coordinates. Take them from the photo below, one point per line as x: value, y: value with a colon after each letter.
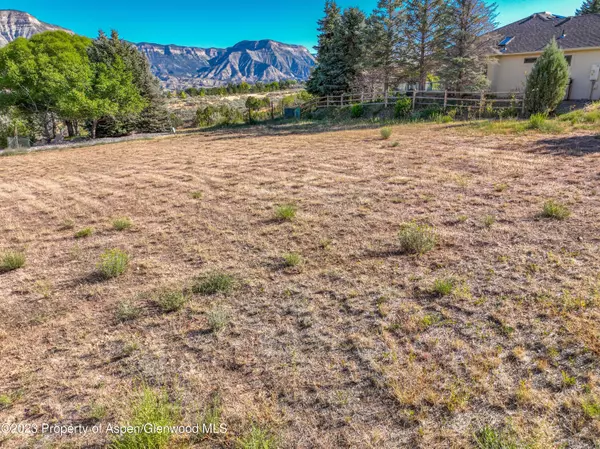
x: 591, y: 408
x: 568, y: 381
x: 12, y: 260
x: 197, y: 195
x: 151, y: 407
x: 83, y: 233
x: 217, y: 319
x: 127, y: 311
x: 417, y: 238
x: 257, y: 438
x: 286, y: 212
x: 213, y: 283
x: 113, y: 263
x: 555, y: 210
x: 589, y: 115
x: 171, y: 300
x: 122, y: 223
x: 488, y: 221
x: 386, y: 133
x: 292, y: 259
x: 5, y: 401
x: 444, y: 287
x: 490, y: 438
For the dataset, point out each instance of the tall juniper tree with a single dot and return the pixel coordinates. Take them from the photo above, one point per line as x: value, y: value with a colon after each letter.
x: 470, y: 42
x: 589, y: 7
x: 424, y: 35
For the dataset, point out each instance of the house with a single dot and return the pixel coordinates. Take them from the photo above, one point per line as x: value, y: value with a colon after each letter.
x: 522, y: 42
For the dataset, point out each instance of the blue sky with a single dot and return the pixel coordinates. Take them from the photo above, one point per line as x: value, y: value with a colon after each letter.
x: 219, y: 23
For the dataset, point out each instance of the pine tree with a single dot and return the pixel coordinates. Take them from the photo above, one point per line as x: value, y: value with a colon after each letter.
x: 326, y: 27
x: 589, y: 7
x: 383, y: 42
x: 424, y: 36
x: 548, y: 80
x: 470, y: 42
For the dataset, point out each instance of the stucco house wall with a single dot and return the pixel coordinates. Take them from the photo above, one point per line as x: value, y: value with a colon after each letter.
x: 508, y: 73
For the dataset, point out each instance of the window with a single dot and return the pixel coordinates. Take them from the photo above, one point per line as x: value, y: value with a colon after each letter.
x: 530, y: 60
x: 569, y: 59
x: 504, y: 42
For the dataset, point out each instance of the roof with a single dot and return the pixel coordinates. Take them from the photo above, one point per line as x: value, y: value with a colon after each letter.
x: 533, y: 33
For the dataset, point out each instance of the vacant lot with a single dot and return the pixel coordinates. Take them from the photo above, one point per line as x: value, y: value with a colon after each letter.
x: 311, y: 325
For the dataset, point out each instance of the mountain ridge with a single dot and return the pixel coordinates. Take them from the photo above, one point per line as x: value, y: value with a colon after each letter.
x: 180, y: 66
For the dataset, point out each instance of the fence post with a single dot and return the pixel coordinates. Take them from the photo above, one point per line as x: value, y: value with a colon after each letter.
x: 523, y: 106
x: 414, y: 99
x: 445, y: 99
x: 342, y: 100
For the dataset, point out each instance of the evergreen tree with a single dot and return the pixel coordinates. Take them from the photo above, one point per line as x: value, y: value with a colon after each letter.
x: 326, y: 27
x: 470, y: 42
x: 589, y: 7
x: 383, y: 42
x: 425, y: 35
x: 548, y: 80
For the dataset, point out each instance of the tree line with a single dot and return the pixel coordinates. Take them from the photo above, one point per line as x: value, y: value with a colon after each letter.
x: 412, y: 41
x: 58, y: 80
x: 241, y: 88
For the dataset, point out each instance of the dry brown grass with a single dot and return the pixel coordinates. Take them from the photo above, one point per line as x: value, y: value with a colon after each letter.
x: 353, y: 349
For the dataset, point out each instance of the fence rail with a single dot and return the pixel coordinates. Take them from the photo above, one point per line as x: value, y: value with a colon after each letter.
x: 427, y: 98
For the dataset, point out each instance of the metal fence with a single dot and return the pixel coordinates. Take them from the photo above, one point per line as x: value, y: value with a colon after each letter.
x: 18, y: 143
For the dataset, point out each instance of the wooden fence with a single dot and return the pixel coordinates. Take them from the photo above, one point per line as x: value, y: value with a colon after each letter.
x: 474, y: 101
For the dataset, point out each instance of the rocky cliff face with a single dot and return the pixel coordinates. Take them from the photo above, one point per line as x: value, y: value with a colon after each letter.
x: 179, y: 67
x: 14, y: 24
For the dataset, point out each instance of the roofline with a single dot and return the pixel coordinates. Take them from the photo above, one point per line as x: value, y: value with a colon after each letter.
x: 539, y: 52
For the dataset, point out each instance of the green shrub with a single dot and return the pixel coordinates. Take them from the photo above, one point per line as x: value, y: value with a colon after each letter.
x: 417, y: 238
x: 213, y: 283
x: 217, y: 319
x: 113, y: 263
x: 490, y: 438
x: 386, y: 133
x: 403, y: 108
x: 444, y: 287
x: 555, y: 210
x: 83, y: 233
x: 120, y: 224
x: 12, y: 260
x: 357, y: 111
x: 292, y: 259
x: 548, y: 80
x: 285, y: 212
x: 150, y: 408
x: 591, y: 408
x: 489, y: 220
x: 537, y: 121
x: 171, y: 300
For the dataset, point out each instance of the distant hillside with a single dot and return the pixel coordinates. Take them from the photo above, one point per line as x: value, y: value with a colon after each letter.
x: 14, y: 24
x: 179, y: 67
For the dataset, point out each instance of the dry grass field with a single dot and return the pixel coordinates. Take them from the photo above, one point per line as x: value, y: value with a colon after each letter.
x: 266, y: 287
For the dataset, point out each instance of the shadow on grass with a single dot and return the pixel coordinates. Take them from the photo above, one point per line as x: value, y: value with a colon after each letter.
x: 569, y: 145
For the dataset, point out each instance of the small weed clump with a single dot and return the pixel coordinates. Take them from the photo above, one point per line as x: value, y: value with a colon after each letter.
x: 490, y: 438
x: 286, y: 212
x: 171, y: 300
x: 121, y: 224
x: 217, y: 319
x: 417, y: 238
x: 152, y: 408
x: 488, y: 221
x: 127, y: 311
x: 213, y: 283
x: 386, y: 133
x: 113, y: 263
x: 591, y: 408
x: 83, y: 233
x: 257, y: 438
x: 197, y: 195
x: 12, y: 260
x: 292, y: 259
x: 555, y: 210
x: 444, y: 287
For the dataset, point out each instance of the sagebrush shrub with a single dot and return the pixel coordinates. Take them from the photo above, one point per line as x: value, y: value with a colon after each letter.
x: 555, y: 210
x: 417, y: 238
x: 12, y: 260
x: 213, y: 283
x: 386, y: 133
x: 113, y: 263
